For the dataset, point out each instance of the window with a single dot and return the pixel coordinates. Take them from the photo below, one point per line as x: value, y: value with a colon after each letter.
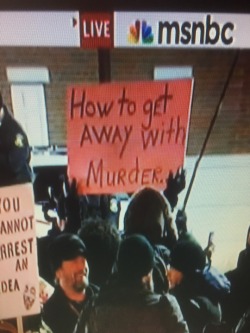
x: 172, y: 72
x: 28, y: 101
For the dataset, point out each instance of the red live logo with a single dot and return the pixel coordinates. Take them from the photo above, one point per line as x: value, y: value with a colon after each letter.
x: 96, y: 30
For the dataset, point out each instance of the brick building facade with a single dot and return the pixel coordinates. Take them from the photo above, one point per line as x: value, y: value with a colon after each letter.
x: 69, y: 66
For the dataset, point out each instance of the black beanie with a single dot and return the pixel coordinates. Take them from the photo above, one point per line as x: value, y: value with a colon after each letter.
x: 65, y: 247
x: 135, y: 258
x: 187, y: 257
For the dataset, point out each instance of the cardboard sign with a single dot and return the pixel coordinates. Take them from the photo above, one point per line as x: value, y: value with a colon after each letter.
x: 122, y: 136
x: 19, y: 286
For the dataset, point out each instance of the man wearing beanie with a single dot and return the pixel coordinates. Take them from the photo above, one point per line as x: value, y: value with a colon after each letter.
x: 72, y: 292
x: 197, y: 295
x: 128, y: 303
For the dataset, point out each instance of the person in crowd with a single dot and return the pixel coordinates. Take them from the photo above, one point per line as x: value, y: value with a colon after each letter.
x: 73, y: 291
x: 198, y: 288
x: 238, y: 301
x: 149, y: 211
x: 127, y: 303
x: 14, y: 150
x: 101, y: 239
x: 149, y: 214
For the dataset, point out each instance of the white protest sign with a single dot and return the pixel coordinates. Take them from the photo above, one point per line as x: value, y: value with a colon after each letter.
x: 19, y: 286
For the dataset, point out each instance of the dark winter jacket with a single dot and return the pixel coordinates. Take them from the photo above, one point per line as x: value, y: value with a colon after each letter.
x: 14, y: 152
x: 239, y: 299
x: 123, y: 309
x: 199, y: 296
x: 61, y: 314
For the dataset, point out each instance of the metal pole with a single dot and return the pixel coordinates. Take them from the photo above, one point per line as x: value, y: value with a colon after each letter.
x: 217, y: 110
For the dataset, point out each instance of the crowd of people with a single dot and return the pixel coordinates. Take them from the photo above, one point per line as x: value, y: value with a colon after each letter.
x: 153, y: 276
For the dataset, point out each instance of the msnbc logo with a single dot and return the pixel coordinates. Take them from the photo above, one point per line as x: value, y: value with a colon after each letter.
x: 143, y: 29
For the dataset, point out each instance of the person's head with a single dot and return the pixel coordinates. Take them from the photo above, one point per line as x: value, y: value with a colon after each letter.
x: 187, y: 257
x: 68, y: 260
x: 102, y: 241
x: 148, y: 213
x: 135, y: 261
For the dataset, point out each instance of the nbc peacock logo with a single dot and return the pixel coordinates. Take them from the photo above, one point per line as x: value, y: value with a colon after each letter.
x: 140, y: 29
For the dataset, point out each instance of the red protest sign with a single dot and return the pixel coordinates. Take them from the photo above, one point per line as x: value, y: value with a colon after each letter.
x: 122, y: 136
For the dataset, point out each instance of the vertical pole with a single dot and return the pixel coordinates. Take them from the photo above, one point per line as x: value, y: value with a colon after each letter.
x: 210, y: 128
x: 104, y: 65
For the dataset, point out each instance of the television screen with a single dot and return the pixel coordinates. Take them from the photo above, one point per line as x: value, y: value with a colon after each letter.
x: 104, y: 101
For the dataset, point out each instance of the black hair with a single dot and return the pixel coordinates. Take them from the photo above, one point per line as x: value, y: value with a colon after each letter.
x: 102, y: 240
x: 143, y: 213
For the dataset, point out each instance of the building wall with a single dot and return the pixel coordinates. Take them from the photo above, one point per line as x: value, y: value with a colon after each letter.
x: 219, y: 199
x: 66, y: 66
x: 210, y: 68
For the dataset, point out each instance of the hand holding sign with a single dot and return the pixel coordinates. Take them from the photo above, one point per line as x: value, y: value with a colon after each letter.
x: 174, y: 185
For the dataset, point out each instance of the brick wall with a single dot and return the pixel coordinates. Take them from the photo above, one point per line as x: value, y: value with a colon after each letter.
x: 66, y: 66
x: 231, y: 133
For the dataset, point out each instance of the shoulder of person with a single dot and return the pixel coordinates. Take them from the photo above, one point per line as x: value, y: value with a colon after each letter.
x: 172, y: 313
x: 216, y: 279
x: 168, y: 300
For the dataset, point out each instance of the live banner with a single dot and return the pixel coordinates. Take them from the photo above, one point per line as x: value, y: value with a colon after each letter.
x: 124, y: 136
x: 19, y: 286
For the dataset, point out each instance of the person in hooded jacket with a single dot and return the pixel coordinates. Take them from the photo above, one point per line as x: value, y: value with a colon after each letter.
x: 198, y: 287
x: 149, y: 214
